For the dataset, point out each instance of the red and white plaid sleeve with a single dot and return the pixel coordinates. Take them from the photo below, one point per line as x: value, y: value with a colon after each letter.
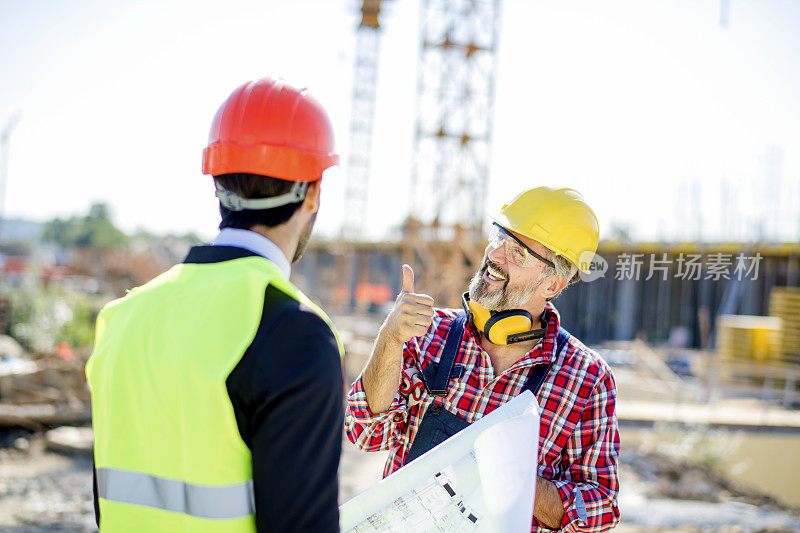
x: 382, y: 431
x: 589, y: 485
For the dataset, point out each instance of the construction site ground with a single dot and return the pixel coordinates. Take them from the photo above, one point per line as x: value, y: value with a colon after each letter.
x: 42, y: 490
x: 676, y: 473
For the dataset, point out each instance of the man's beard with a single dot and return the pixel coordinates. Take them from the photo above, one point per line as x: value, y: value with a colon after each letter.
x: 301, y: 244
x: 507, y: 297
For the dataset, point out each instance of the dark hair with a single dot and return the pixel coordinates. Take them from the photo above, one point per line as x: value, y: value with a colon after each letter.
x: 255, y: 186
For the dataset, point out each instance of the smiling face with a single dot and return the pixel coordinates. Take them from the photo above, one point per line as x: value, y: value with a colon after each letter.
x: 500, y: 285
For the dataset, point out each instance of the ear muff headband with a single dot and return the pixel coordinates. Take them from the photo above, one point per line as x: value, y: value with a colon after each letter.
x: 501, y: 327
x: 478, y: 314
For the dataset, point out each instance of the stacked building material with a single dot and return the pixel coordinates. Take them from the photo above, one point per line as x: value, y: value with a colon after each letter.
x: 784, y: 303
x: 748, y: 338
x: 760, y: 355
x: 748, y: 361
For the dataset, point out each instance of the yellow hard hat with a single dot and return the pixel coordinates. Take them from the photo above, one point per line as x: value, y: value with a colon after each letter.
x: 558, y: 218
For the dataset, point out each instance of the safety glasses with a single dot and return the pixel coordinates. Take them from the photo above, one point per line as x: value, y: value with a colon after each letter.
x: 517, y: 252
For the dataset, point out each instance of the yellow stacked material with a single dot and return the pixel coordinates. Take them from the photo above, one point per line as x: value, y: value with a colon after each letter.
x: 748, y: 338
x: 784, y: 303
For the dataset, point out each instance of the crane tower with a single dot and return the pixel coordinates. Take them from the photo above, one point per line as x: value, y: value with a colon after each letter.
x: 367, y: 52
x: 455, y: 100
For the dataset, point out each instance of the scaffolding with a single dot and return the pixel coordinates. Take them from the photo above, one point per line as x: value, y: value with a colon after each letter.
x: 455, y: 100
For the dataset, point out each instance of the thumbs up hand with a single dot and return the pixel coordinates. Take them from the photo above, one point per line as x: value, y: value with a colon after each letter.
x: 412, y: 314
x: 408, y: 279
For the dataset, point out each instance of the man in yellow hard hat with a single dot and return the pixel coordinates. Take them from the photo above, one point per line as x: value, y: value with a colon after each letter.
x: 434, y: 371
x: 217, y: 387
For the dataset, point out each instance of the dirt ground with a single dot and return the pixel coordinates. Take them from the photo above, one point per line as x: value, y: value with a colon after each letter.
x: 43, y: 492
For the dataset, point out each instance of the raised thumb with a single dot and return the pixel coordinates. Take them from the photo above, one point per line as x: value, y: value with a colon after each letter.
x: 408, y: 279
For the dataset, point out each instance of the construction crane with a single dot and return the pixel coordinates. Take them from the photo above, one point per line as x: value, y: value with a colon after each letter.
x: 367, y: 52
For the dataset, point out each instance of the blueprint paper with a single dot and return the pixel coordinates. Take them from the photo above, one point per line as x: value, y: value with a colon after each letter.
x: 507, y: 457
x: 443, y: 490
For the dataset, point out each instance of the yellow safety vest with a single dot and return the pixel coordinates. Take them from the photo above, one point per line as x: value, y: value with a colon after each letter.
x: 168, y: 452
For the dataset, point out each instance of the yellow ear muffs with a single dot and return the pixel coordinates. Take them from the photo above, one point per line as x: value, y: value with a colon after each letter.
x: 501, y: 327
x: 503, y: 324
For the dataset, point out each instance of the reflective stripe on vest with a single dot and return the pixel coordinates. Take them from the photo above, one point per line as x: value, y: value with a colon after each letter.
x: 202, y: 501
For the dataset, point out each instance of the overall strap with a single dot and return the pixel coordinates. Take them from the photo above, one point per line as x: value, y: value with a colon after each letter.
x: 536, y: 378
x: 436, y: 376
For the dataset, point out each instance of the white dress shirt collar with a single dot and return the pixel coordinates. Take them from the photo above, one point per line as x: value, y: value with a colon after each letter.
x: 256, y: 243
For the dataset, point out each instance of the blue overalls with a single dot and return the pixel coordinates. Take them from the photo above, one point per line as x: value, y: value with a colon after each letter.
x: 439, y: 424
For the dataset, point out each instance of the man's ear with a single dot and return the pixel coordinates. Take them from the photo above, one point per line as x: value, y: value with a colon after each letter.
x: 311, y: 201
x: 553, y: 286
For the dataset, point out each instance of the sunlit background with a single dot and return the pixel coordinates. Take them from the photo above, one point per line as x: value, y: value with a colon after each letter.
x: 676, y: 121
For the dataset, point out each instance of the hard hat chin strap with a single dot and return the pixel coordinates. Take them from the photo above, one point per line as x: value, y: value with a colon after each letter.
x: 234, y: 202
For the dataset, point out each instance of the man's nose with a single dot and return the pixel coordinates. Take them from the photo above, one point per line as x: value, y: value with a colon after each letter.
x: 498, y: 253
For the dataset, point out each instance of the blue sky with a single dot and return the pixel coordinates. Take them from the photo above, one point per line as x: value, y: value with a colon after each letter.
x: 659, y: 116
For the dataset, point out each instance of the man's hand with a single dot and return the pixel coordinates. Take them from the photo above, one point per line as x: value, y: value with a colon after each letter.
x: 411, y: 317
x: 412, y: 313
x: 548, y: 507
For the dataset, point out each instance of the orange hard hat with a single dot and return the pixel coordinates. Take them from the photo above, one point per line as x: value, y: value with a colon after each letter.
x: 270, y: 128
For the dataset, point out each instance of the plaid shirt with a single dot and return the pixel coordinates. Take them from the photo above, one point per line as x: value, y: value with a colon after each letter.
x: 578, y: 438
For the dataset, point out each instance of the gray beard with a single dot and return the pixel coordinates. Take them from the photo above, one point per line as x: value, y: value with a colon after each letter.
x: 301, y: 244
x: 512, y: 297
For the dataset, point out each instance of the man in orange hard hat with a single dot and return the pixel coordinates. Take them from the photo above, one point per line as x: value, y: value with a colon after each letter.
x: 434, y: 371
x: 217, y: 387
